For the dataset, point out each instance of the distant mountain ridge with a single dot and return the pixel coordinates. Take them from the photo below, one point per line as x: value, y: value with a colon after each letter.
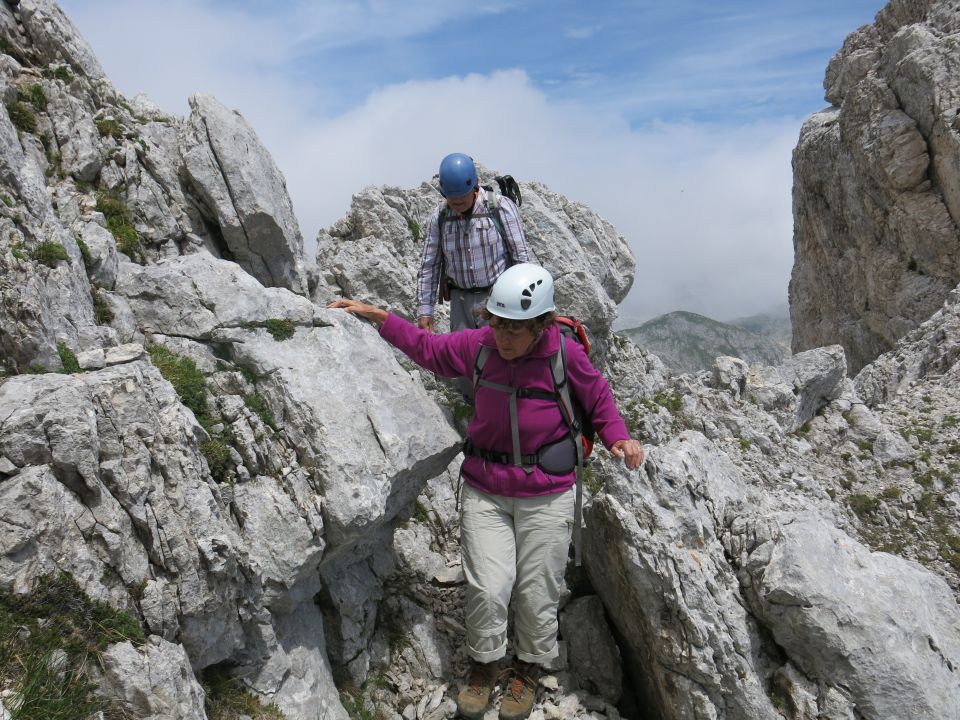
x: 688, y: 342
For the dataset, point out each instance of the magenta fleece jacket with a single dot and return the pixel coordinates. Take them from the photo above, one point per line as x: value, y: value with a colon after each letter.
x: 540, y: 421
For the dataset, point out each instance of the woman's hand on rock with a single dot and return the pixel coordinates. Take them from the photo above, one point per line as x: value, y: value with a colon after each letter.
x: 630, y: 450
x: 367, y: 312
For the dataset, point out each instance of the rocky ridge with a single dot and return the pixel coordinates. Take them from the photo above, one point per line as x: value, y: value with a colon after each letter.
x: 689, y: 343
x: 877, y: 185
x: 270, y: 493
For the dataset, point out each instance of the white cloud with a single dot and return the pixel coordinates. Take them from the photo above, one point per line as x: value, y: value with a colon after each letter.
x: 706, y: 210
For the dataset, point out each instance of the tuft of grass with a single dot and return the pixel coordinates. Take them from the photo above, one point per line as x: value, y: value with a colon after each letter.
x: 591, y: 480
x: 61, y: 72
x: 863, y: 505
x: 924, y: 434
x: 420, y: 513
x: 191, y: 387
x: 185, y: 376
x: 414, y: 228
x: 226, y: 698
x: 108, y: 127
x: 744, y: 444
x: 56, y: 618
x: 672, y: 401
x: 929, y: 502
x: 33, y: 95
x: 281, y: 328
x: 50, y: 253
x: 217, y: 453
x: 461, y: 411
x: 355, y: 705
x: 119, y: 223
x: 68, y: 359
x: 102, y: 313
x: 890, y: 493
x: 22, y: 117
x: 259, y: 405
x: 85, y: 254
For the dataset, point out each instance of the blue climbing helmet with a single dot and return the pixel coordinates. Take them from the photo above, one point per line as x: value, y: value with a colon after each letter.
x: 458, y: 175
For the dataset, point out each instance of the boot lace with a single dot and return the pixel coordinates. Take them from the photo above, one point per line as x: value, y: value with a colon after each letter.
x: 521, y: 680
x: 479, y: 679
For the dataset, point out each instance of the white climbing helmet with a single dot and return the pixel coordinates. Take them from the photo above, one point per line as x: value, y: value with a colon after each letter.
x: 522, y: 292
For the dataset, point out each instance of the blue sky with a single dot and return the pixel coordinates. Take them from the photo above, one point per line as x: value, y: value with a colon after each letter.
x: 674, y: 120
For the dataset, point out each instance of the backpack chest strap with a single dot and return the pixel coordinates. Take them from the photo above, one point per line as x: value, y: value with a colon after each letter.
x: 514, y: 422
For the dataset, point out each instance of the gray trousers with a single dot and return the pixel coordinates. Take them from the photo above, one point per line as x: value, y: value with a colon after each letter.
x: 464, y: 305
x: 514, y: 547
x: 463, y: 315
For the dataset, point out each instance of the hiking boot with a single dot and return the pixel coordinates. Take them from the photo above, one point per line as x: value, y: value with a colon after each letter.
x: 474, y: 698
x: 520, y: 691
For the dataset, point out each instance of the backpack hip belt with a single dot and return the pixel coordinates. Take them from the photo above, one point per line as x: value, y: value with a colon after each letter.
x: 555, y: 458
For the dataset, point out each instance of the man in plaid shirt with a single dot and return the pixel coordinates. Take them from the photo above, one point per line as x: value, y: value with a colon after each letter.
x: 472, y: 252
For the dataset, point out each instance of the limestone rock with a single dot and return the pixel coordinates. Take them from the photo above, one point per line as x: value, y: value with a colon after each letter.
x: 593, y: 654
x: 794, y: 391
x: 116, y: 452
x: 195, y: 295
x: 877, y: 186
x: 245, y: 192
x: 154, y: 682
x: 56, y: 38
x: 104, y: 262
x: 894, y: 649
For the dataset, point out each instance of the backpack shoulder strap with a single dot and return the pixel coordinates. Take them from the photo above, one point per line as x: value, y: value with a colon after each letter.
x: 558, y: 365
x: 493, y: 205
x: 482, y: 354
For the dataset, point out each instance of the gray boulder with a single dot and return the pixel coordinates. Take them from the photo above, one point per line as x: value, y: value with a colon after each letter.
x: 894, y: 650
x: 195, y: 295
x: 154, y: 682
x: 795, y: 390
x: 245, y: 193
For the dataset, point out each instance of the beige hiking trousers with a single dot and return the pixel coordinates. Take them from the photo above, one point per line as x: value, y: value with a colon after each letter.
x: 514, y: 543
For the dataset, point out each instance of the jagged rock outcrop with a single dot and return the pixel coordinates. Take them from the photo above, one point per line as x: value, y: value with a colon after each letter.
x: 243, y: 188
x: 590, y: 261
x: 687, y: 342
x: 86, y: 171
x: 877, y: 185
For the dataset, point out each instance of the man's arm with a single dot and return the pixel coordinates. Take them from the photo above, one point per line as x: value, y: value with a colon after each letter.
x: 429, y: 276
x: 514, y: 240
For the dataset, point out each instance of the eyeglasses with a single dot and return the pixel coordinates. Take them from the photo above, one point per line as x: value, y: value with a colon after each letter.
x: 511, y: 331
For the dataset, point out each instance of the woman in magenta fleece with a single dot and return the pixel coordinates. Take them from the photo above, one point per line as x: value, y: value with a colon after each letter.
x: 516, y: 518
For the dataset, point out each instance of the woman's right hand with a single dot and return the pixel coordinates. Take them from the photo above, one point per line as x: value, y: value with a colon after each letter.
x: 368, y: 312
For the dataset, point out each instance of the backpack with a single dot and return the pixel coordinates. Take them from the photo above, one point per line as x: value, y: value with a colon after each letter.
x: 554, y: 457
x: 573, y: 328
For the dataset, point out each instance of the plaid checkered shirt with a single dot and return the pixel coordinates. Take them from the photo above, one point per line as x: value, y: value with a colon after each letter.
x: 475, y: 253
